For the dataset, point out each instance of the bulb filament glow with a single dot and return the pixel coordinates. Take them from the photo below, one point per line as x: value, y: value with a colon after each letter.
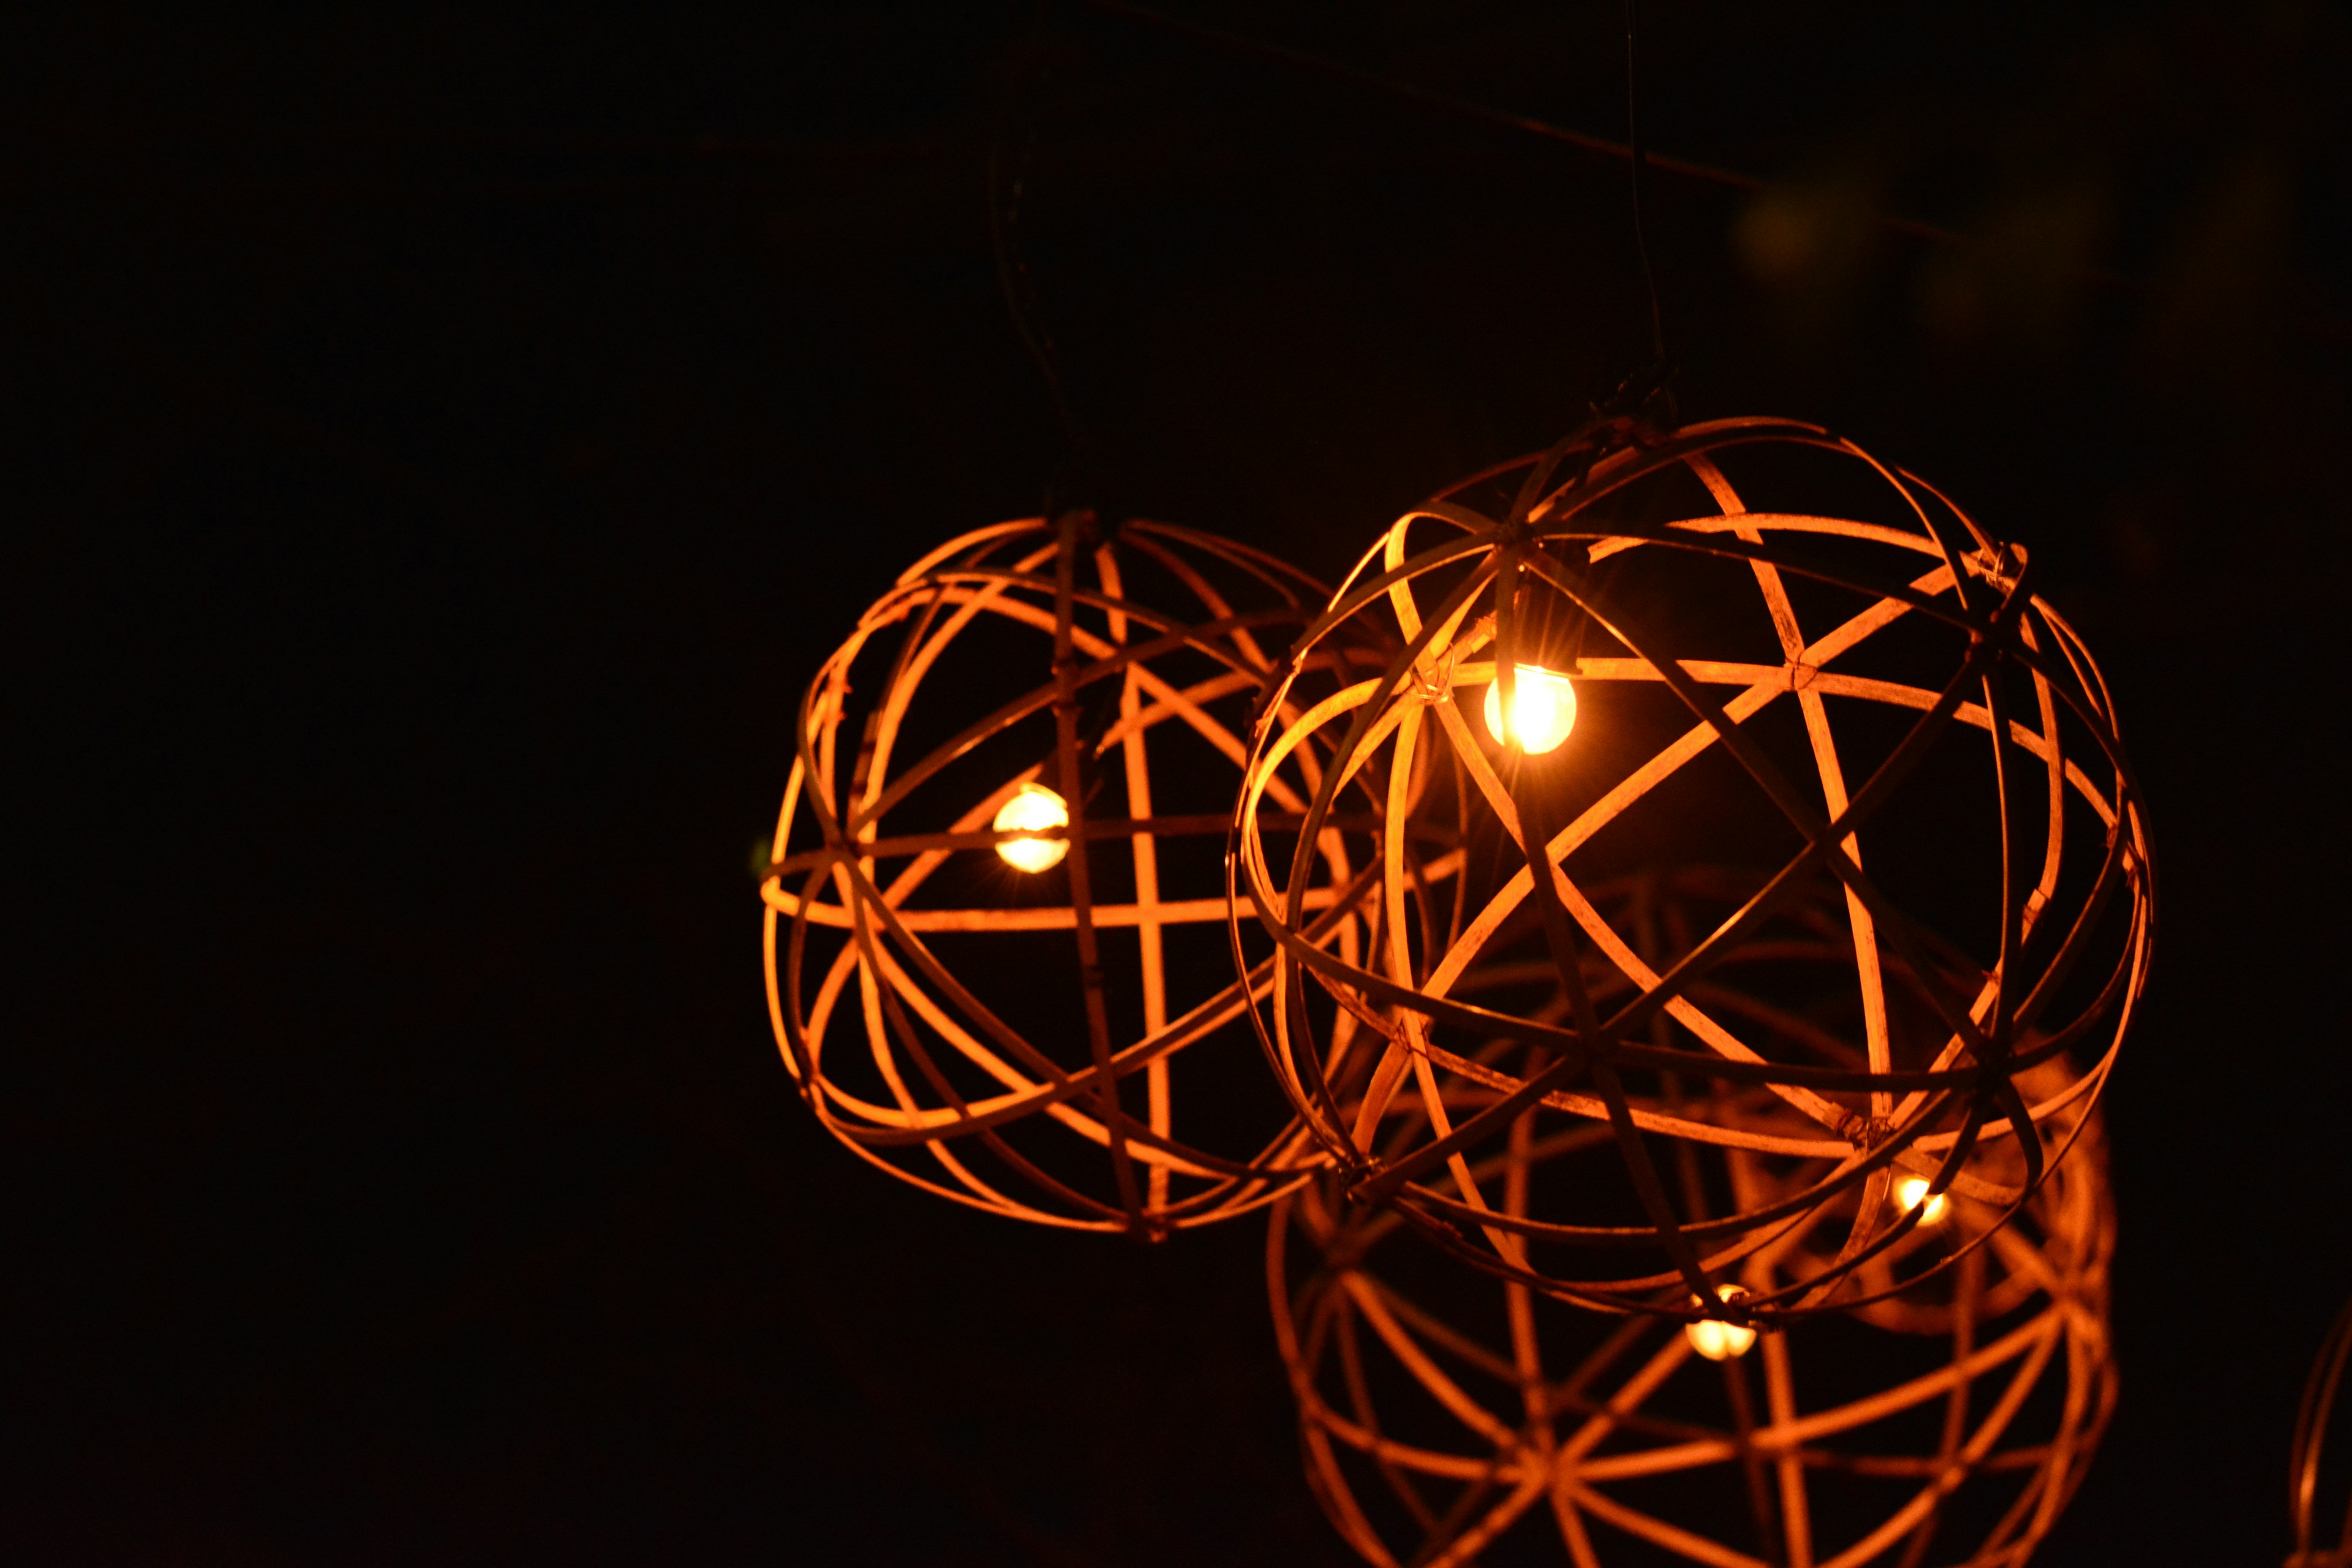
x: 1543, y: 709
x: 1032, y: 806
x: 1716, y: 1339
x: 1910, y: 1190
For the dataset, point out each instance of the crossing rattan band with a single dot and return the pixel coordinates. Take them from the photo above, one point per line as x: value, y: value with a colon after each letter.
x: 1870, y: 647
x: 969, y: 1105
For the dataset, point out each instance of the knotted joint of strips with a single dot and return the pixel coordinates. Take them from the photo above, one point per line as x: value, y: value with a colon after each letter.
x: 1788, y: 661
x: 996, y: 935
x: 1443, y: 1411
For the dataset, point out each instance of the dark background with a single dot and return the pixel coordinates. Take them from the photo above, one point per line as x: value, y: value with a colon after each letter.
x: 437, y: 445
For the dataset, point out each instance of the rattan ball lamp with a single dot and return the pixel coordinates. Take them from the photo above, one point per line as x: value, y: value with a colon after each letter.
x: 1744, y: 643
x: 1447, y: 1417
x: 996, y: 929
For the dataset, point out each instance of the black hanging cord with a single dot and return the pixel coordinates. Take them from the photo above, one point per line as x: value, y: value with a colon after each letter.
x: 1641, y: 183
x: 1012, y: 279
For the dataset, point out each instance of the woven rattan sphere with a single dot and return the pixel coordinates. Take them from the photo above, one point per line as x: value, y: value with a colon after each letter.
x: 996, y: 926
x: 1448, y: 1417
x: 1743, y: 644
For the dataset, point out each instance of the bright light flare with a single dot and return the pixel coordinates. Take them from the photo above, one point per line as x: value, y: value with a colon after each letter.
x: 1543, y: 709
x: 1716, y: 1339
x: 1910, y: 1190
x: 1032, y: 806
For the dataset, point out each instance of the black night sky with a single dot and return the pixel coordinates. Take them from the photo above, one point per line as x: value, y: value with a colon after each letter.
x: 439, y: 443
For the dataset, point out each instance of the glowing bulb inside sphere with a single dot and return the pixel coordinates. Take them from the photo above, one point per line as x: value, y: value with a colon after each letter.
x: 1032, y: 806
x: 1909, y: 1190
x: 1543, y: 709
x: 1720, y: 1340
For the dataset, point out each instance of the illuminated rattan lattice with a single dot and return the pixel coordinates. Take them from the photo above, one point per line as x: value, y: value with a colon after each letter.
x: 1448, y: 1417
x: 999, y: 876
x: 1679, y: 647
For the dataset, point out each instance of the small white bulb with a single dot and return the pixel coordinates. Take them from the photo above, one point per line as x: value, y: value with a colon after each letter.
x: 1543, y: 709
x: 1032, y: 806
x: 1716, y: 1339
x: 1909, y: 1190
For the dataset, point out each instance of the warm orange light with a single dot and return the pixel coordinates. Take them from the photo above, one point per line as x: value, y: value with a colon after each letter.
x: 1720, y: 1340
x: 1543, y: 709
x: 1032, y: 806
x: 1909, y: 1190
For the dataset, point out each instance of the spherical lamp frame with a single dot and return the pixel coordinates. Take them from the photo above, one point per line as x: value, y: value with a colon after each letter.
x: 1428, y: 1436
x: 2024, y: 678
x: 1069, y: 585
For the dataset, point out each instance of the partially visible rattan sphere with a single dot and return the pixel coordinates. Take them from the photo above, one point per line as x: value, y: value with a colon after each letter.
x: 1942, y: 1417
x: 1750, y: 644
x: 2311, y: 1510
x: 1051, y: 1030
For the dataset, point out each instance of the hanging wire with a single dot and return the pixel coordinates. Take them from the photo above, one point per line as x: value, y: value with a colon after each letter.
x: 1641, y: 172
x: 1013, y: 278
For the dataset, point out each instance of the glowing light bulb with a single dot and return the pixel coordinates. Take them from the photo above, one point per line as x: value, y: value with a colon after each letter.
x: 1909, y: 1190
x: 1543, y: 709
x: 1716, y: 1339
x: 1032, y: 807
